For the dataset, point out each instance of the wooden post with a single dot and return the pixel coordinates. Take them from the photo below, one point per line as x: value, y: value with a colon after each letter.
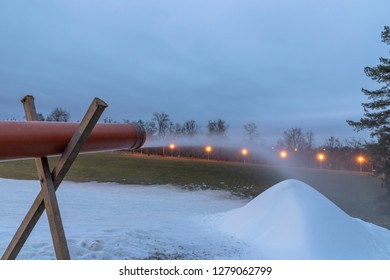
x: 52, y: 210
x: 48, y: 191
x: 50, y: 181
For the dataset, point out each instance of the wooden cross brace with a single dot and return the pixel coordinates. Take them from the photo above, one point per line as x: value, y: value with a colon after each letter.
x: 50, y: 181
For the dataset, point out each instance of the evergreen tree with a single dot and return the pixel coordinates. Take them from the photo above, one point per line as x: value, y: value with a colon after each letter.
x: 377, y: 115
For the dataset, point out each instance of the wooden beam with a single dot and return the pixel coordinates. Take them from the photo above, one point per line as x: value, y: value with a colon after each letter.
x: 52, y: 210
x: 29, y: 108
x: 48, y: 193
x: 57, y: 175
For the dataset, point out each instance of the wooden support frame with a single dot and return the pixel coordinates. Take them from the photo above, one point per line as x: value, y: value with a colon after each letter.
x: 50, y: 181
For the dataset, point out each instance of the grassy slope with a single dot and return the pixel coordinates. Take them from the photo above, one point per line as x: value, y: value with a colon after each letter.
x: 357, y: 194
x: 246, y: 179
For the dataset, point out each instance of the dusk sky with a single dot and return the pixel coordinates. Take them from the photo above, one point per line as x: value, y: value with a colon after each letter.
x: 277, y: 63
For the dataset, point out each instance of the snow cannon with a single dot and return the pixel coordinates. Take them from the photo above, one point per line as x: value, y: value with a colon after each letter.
x: 35, y: 139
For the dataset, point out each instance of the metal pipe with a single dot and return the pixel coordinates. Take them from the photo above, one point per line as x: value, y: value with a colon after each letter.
x: 21, y: 140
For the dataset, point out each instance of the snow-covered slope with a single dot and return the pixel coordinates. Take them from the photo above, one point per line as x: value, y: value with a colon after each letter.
x: 112, y: 221
x: 291, y: 220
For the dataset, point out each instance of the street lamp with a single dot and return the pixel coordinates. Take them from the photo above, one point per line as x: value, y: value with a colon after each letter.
x: 172, y: 147
x: 361, y: 160
x: 208, y: 150
x: 244, y: 152
x: 321, y: 158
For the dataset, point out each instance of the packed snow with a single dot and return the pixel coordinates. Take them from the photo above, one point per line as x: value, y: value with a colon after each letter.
x: 292, y: 220
x: 111, y: 221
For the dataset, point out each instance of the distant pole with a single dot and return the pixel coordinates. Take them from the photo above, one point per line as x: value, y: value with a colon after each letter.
x: 361, y: 160
x: 208, y: 150
x: 244, y: 152
x: 321, y: 158
x: 172, y: 147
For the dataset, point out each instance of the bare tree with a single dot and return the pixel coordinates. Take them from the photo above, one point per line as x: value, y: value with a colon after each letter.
x: 332, y: 143
x: 108, y: 119
x: 58, y: 115
x: 294, y: 139
x: 217, y: 128
x: 151, y: 129
x: 190, y: 128
x: 141, y: 123
x: 162, y: 121
x: 310, y: 139
x: 355, y: 143
x: 251, y: 132
x: 178, y: 130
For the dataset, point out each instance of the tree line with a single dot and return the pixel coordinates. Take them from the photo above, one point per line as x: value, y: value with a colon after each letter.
x: 161, y: 127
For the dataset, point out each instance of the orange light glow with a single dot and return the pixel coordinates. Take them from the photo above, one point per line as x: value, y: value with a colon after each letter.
x: 172, y: 146
x: 283, y: 154
x: 321, y: 157
x: 361, y: 160
x: 244, y: 152
x: 208, y: 150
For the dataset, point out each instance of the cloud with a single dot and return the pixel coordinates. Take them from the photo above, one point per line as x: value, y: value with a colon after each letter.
x: 247, y: 61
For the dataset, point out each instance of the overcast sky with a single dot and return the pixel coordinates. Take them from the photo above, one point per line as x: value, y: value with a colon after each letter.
x: 277, y: 63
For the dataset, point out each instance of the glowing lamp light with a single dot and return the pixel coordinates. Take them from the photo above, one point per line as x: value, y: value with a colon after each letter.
x: 172, y: 147
x: 321, y: 157
x: 283, y: 154
x: 208, y: 150
x: 244, y: 152
x: 361, y: 159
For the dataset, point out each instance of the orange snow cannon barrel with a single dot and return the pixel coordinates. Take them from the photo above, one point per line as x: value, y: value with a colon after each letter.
x: 22, y: 140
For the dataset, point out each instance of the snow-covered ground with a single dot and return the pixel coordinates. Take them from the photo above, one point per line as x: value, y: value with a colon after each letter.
x: 110, y: 221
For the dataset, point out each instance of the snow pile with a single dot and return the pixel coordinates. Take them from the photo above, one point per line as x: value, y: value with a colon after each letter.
x: 291, y: 220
